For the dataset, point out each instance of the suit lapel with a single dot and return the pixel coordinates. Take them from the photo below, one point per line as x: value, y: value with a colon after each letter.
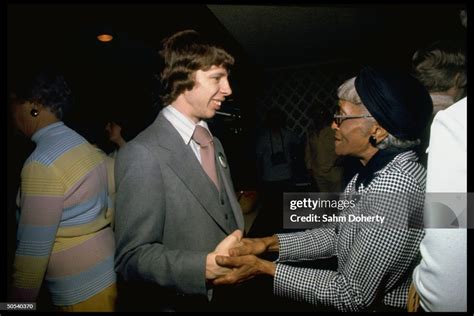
x: 185, y: 165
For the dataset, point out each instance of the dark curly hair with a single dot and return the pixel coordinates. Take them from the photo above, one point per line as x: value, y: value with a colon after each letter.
x: 184, y: 53
x: 46, y: 87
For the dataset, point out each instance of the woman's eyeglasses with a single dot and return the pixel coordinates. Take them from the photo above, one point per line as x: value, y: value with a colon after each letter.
x: 338, y: 118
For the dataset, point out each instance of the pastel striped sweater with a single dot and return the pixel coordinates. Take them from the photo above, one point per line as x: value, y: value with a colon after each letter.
x: 64, y: 238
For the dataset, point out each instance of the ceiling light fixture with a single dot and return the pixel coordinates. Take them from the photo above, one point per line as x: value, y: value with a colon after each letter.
x: 104, y: 37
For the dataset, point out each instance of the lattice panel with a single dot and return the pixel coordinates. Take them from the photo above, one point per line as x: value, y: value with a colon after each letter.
x: 298, y: 91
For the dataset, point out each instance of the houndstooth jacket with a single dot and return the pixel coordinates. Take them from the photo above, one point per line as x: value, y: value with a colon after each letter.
x: 374, y: 263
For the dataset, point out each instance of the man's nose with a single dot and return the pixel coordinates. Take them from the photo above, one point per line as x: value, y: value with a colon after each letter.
x: 225, y: 87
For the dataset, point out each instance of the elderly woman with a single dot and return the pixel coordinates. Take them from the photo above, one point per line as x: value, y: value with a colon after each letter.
x: 64, y: 240
x: 380, y: 119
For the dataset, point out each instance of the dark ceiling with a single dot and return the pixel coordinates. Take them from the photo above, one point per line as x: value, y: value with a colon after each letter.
x: 270, y: 35
x: 278, y: 36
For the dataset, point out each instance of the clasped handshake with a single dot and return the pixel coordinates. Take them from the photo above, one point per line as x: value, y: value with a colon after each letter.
x: 235, y: 259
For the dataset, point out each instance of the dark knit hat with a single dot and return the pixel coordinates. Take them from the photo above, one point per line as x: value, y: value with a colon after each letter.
x: 399, y: 103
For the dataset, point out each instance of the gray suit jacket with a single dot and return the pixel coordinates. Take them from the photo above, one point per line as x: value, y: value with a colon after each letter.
x: 167, y: 214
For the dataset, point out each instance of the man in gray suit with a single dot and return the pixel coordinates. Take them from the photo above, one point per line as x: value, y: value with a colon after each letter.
x: 170, y: 214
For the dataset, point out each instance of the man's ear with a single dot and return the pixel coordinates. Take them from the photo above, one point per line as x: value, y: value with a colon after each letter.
x: 459, y: 81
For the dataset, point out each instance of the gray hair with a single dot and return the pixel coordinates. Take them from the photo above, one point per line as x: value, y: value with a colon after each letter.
x: 348, y: 92
x: 394, y: 142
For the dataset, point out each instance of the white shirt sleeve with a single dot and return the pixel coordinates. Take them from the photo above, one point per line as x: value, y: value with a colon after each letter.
x: 441, y: 276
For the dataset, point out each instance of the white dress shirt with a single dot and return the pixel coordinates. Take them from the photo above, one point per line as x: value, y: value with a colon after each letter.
x: 185, y: 127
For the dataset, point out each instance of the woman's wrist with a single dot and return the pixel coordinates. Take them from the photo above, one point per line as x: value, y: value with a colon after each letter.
x: 272, y: 243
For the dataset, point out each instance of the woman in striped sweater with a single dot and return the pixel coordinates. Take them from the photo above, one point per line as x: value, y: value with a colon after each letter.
x: 64, y: 239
